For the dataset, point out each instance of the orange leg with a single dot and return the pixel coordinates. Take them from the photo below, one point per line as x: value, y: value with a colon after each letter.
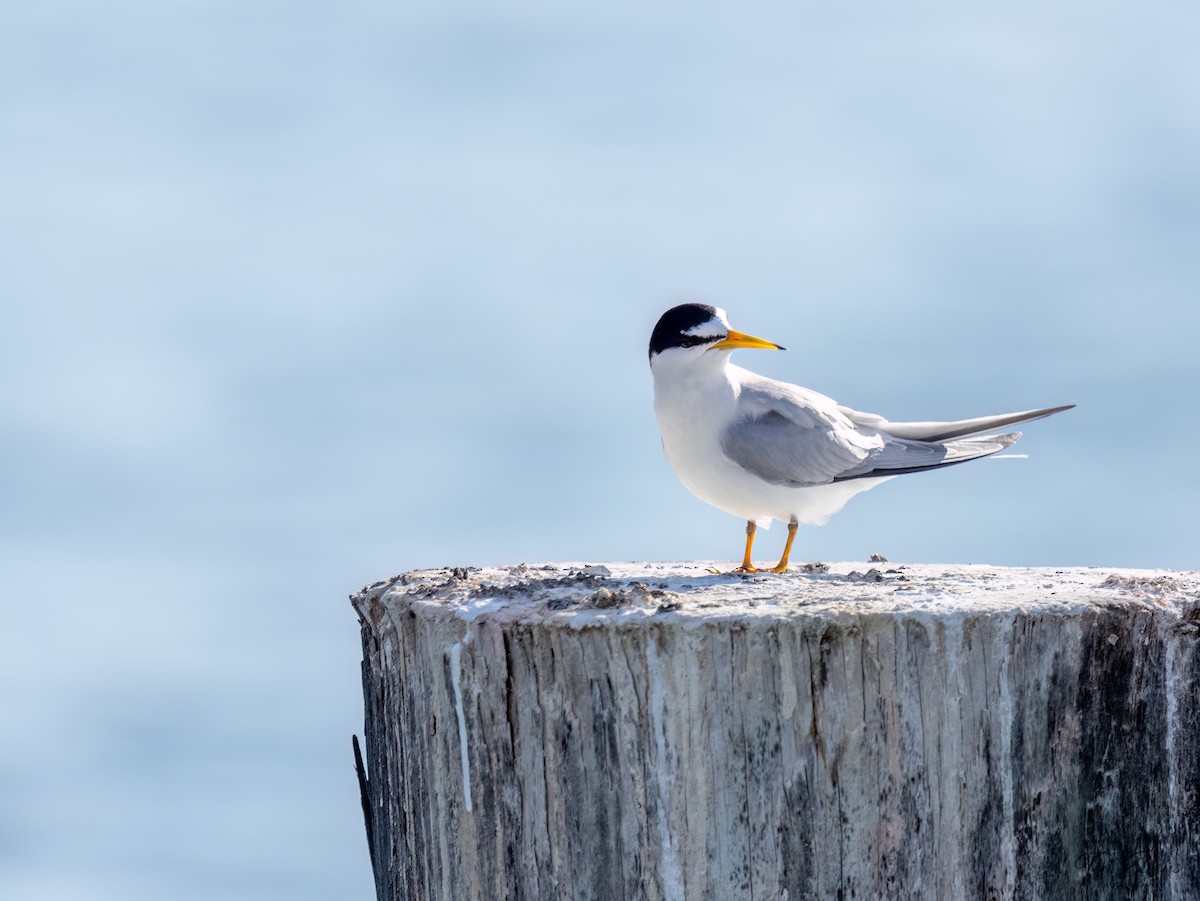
x: 787, y: 548
x: 747, y: 566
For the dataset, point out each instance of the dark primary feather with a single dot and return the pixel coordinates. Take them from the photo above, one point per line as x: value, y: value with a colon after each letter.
x: 899, y: 456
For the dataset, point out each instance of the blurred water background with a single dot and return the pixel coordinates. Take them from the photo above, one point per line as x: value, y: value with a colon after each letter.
x: 300, y: 295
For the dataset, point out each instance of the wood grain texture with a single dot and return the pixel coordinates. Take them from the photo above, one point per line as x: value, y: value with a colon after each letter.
x: 655, y: 733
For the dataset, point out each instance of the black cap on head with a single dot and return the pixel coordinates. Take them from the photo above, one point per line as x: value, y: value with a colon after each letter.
x: 672, y: 324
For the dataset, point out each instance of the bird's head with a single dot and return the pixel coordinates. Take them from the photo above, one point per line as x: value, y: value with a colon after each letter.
x: 693, y: 331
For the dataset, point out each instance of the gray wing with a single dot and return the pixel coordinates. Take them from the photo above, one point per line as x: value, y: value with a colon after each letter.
x: 780, y: 451
x: 786, y: 435
x: 794, y: 437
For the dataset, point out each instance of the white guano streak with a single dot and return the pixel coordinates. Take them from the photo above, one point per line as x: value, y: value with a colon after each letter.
x: 672, y: 877
x: 456, y: 682
x: 1173, y: 647
x: 1008, y: 848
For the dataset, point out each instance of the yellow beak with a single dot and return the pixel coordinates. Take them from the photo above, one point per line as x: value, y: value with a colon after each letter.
x: 737, y: 339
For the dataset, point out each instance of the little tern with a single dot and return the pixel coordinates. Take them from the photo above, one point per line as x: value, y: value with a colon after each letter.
x: 761, y: 449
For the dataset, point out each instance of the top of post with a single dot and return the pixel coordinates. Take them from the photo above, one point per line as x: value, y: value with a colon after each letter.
x: 581, y: 595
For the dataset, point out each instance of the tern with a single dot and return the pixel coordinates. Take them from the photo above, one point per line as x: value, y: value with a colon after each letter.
x: 762, y: 449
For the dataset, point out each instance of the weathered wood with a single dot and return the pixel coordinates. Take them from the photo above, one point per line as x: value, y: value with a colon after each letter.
x: 659, y: 733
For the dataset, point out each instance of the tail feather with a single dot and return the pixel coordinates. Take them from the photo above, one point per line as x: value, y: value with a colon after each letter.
x: 941, y: 432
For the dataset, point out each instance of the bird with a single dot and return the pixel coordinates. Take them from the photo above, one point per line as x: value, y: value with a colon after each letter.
x: 762, y: 449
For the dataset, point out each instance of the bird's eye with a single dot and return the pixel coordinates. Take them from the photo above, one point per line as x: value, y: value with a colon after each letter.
x: 693, y: 340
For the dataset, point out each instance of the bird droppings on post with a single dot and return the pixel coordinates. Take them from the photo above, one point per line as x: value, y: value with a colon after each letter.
x: 1142, y: 586
x: 603, y: 599
x: 634, y: 593
x: 871, y: 575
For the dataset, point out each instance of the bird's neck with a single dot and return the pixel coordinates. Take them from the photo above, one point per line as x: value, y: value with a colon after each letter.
x: 687, y: 397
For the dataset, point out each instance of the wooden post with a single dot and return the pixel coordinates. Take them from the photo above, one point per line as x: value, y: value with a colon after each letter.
x: 650, y: 731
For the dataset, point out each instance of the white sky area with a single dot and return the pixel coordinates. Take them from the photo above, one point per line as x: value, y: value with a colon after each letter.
x: 299, y: 296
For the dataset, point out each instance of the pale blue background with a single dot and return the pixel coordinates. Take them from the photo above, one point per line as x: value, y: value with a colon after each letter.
x: 300, y: 295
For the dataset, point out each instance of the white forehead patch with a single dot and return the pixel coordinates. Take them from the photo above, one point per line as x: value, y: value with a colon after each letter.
x: 716, y: 327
